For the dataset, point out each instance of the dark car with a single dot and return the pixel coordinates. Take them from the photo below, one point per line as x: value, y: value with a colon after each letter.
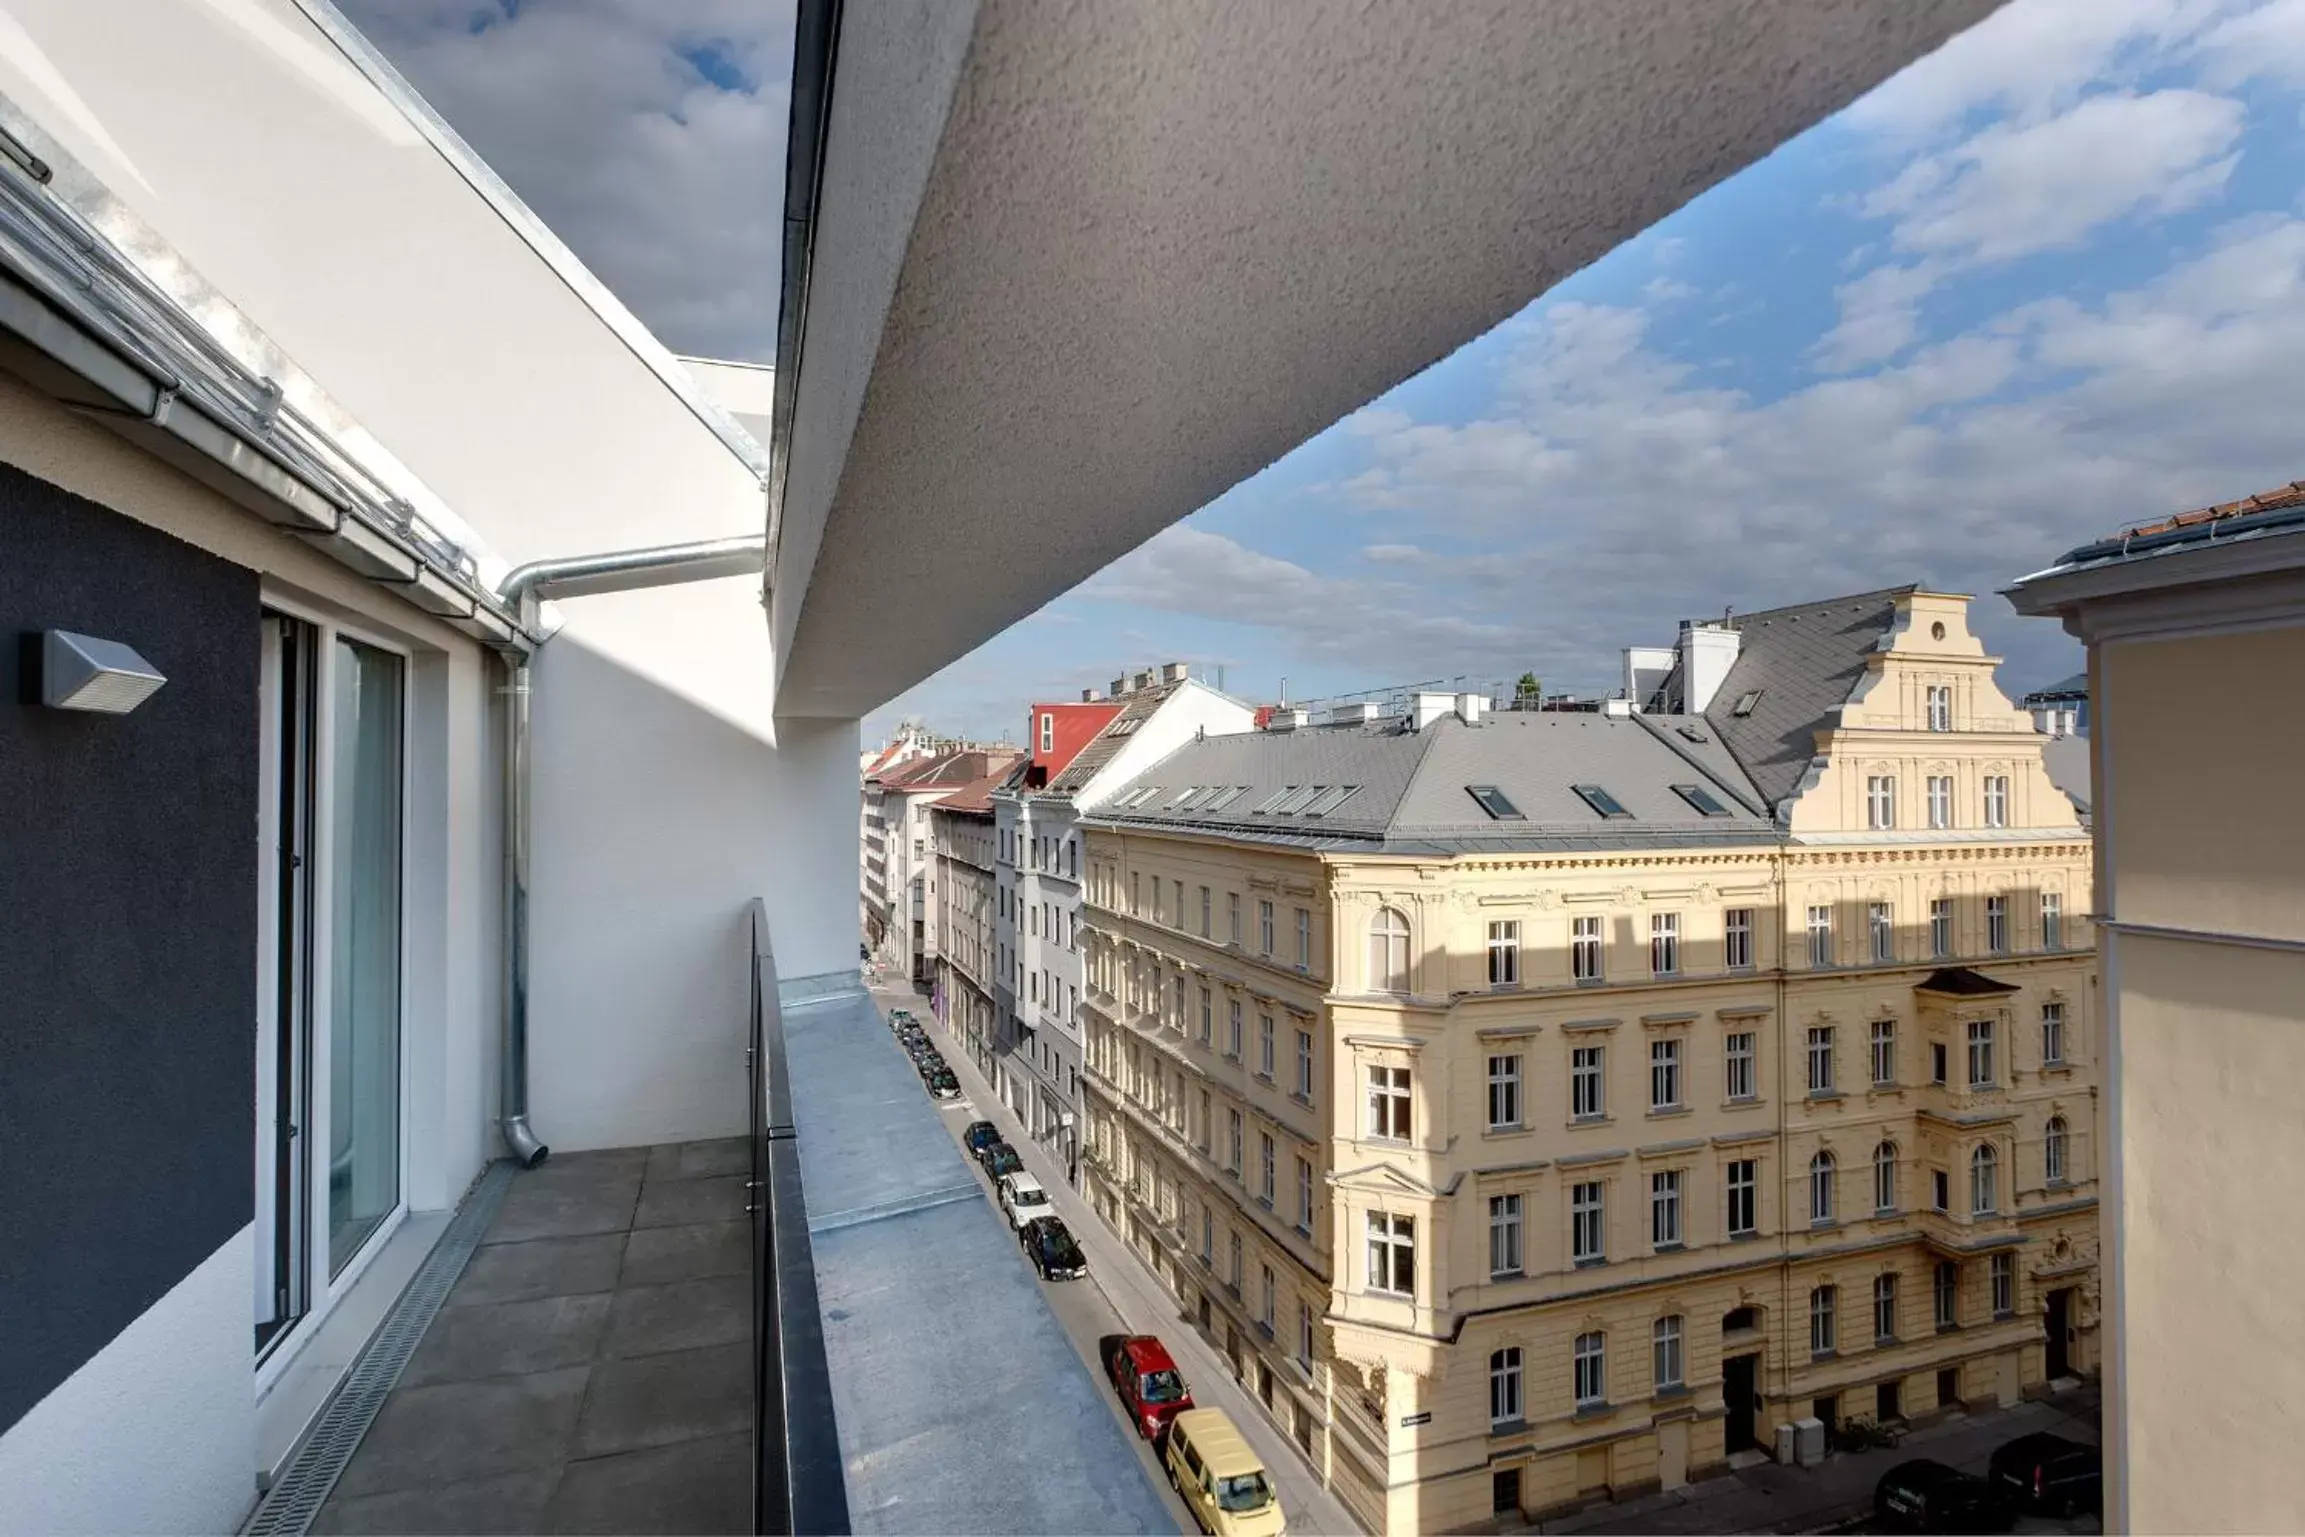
x: 1000, y: 1160
x: 942, y: 1084
x: 979, y: 1136
x: 1926, y: 1496
x: 1048, y: 1243
x: 2050, y: 1475
x: 931, y: 1064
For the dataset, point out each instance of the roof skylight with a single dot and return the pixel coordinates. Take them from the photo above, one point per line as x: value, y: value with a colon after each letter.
x: 1495, y: 803
x: 1225, y: 796
x: 1745, y: 703
x: 1701, y: 798
x: 1329, y: 800
x: 1601, y: 800
x: 1272, y: 802
x: 1296, y: 800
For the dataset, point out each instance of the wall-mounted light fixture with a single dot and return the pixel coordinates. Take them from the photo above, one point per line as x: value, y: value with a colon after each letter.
x: 83, y: 672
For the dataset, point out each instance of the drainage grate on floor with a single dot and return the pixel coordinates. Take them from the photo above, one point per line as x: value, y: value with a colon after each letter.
x: 288, y: 1509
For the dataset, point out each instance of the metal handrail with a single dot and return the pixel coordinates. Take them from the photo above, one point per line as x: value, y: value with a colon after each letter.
x: 798, y: 1484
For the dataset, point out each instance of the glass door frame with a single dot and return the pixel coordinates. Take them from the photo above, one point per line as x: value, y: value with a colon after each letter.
x: 287, y: 803
x: 322, y: 1290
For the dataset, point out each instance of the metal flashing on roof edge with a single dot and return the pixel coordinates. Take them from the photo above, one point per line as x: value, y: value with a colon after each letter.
x: 815, y: 46
x: 522, y: 221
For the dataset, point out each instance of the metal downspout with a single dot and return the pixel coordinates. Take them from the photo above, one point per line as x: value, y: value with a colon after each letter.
x: 524, y: 589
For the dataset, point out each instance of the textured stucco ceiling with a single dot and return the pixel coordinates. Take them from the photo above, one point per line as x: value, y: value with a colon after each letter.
x: 1082, y: 266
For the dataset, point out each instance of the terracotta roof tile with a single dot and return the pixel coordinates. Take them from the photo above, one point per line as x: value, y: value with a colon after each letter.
x: 2275, y: 500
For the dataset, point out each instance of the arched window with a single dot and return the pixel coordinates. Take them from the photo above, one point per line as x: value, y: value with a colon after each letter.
x: 1984, y: 1180
x: 2053, y: 1150
x: 1885, y: 1177
x: 1389, y: 951
x: 1821, y: 1188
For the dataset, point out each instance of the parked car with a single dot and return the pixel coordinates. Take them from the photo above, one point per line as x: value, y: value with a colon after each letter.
x: 1148, y: 1382
x: 1927, y: 1496
x: 1000, y: 1160
x: 979, y: 1136
x: 1048, y: 1243
x: 942, y: 1084
x: 1023, y: 1199
x: 1223, y: 1483
x: 2049, y: 1475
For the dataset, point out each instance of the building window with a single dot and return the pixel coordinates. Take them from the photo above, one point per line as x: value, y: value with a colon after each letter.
x: 1821, y: 1324
x: 1233, y: 1141
x: 1739, y: 1056
x: 1941, y: 928
x: 1207, y: 1023
x: 2052, y: 1034
x: 1208, y: 1234
x: 1821, y: 1172
x: 1881, y: 801
x: 1504, y: 1235
x: 1885, y: 1177
x: 1304, y: 1334
x: 1179, y: 913
x: 1821, y: 935
x: 2053, y: 1150
x: 1305, y: 1065
x: 1389, y: 1103
x: 1591, y: 1378
x: 1884, y: 1043
x: 1996, y: 800
x: 1232, y: 917
x: 1504, y: 954
x: 1265, y: 1049
x: 1304, y: 940
x: 1945, y: 1287
x: 1585, y: 949
x: 1737, y: 938
x: 1940, y: 1190
x: 1233, y: 1262
x: 1585, y: 1098
x: 1881, y: 929
x: 1997, y: 925
x: 1388, y: 952
x: 2052, y: 921
x: 1744, y: 1198
x: 1505, y: 1386
x: 1980, y: 1054
x: 1940, y: 707
x: 1984, y: 1181
x: 1665, y: 1335
x: 1665, y: 1209
x: 1821, y: 1059
x: 1266, y: 1161
x: 1204, y: 912
x: 1940, y: 800
x: 1588, y: 1240
x: 1665, y: 1075
x: 1505, y: 1492
x: 1267, y: 1296
x: 1885, y: 1307
x: 1265, y: 929
x: 1392, y: 1254
x: 1504, y: 1092
x: 1665, y: 943
x: 1305, y: 1194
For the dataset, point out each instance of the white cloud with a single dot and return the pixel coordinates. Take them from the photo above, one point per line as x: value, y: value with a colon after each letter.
x: 1666, y: 290
x: 1880, y: 314
x: 605, y: 117
x: 2265, y: 44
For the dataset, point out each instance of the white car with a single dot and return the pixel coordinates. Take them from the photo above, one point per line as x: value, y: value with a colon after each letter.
x: 1023, y: 1199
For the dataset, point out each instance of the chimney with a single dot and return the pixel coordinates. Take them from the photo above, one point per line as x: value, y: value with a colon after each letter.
x: 1119, y: 687
x: 1469, y: 707
x: 1139, y: 680
x: 1424, y: 708
x: 1174, y: 672
x: 1091, y: 695
x: 1285, y: 720
x: 1708, y: 651
x: 1645, y: 669
x: 1616, y: 707
x: 1351, y: 714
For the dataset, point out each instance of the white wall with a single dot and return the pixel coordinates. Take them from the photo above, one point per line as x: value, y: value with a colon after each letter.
x: 155, y: 1432
x: 665, y: 801
x: 1191, y: 710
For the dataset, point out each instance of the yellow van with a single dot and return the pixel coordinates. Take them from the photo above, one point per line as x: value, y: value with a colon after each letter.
x: 1220, y: 1478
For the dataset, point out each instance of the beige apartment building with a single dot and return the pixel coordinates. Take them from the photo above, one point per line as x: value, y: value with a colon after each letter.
x: 1544, y: 1106
x: 966, y: 886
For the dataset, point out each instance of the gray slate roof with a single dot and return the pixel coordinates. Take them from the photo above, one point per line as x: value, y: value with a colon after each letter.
x: 1803, y: 662
x: 2075, y: 687
x: 1136, y: 709
x: 1413, y: 798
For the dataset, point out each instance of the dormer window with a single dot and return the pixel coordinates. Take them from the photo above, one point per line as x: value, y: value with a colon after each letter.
x: 1048, y: 733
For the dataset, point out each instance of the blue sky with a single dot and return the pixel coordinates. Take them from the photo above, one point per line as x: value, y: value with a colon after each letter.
x: 2046, y: 282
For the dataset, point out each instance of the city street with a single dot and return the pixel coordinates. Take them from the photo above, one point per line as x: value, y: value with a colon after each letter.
x: 1121, y: 1296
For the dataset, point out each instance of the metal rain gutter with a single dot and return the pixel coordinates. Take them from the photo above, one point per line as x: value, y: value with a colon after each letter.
x: 523, y: 591
x: 815, y: 45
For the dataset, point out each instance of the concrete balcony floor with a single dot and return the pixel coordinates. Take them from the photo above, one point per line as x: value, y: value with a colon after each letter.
x: 591, y: 1371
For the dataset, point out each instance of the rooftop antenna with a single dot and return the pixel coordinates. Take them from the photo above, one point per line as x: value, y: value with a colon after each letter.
x: 1284, y: 692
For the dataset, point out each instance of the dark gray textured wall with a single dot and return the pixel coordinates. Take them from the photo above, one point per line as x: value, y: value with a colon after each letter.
x: 127, y: 933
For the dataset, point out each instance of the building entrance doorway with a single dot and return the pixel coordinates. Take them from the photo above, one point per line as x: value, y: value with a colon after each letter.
x: 2060, y: 1330
x: 1740, y: 1392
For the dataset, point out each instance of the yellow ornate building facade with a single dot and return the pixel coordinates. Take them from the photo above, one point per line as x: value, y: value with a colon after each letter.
x: 1540, y: 1107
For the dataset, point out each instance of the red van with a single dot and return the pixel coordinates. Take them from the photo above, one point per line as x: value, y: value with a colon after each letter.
x: 1149, y: 1384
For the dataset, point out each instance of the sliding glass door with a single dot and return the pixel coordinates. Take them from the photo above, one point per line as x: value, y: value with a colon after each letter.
x: 369, y: 708
x: 287, y: 747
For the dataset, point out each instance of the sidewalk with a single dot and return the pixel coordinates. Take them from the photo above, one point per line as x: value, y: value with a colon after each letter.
x: 1144, y: 1305
x: 1771, y: 1498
